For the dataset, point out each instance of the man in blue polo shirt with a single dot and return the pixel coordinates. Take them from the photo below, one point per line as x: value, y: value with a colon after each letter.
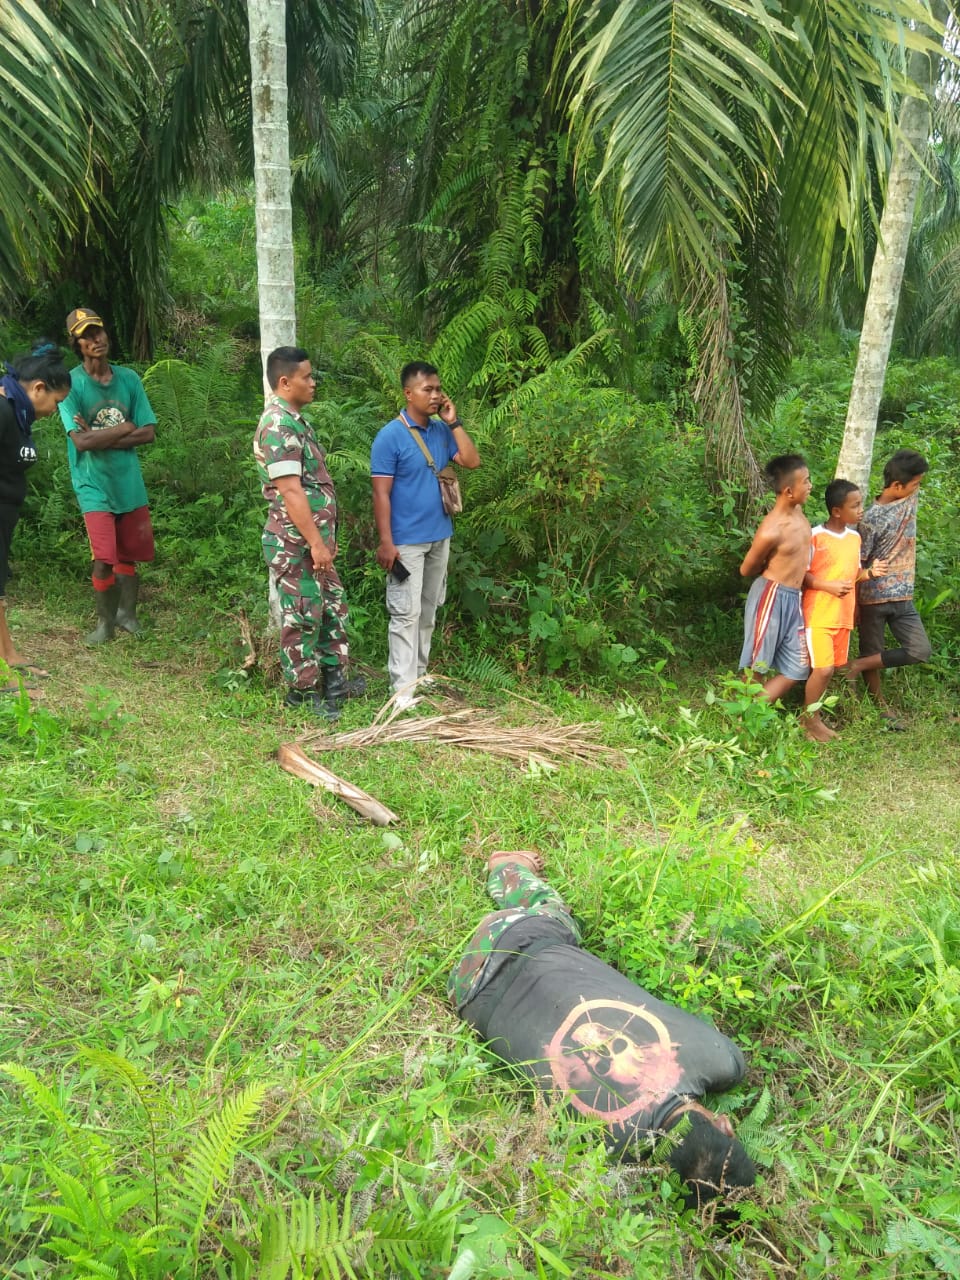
x: 414, y: 529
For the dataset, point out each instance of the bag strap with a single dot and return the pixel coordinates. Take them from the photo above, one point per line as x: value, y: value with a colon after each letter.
x: 420, y: 441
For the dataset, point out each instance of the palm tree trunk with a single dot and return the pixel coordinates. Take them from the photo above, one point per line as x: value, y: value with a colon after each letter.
x: 271, y: 152
x: 886, y: 277
x: 271, y: 157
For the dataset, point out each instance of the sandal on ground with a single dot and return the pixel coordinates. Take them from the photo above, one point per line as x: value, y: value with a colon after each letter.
x: 31, y: 669
x: 893, y: 722
x: 13, y: 686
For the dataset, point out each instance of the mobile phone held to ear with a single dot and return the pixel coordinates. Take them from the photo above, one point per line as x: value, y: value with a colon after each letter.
x: 399, y: 572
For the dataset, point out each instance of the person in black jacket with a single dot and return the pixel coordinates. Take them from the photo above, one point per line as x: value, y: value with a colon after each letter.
x: 580, y: 1031
x: 31, y: 388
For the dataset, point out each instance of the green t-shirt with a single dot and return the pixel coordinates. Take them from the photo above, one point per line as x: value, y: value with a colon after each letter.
x: 106, y: 479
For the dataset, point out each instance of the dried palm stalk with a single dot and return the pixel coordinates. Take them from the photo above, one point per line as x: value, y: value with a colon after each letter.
x: 295, y: 761
x: 472, y: 730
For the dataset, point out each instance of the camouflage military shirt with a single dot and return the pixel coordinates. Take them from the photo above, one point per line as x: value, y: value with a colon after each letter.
x: 284, y: 445
x: 523, y: 896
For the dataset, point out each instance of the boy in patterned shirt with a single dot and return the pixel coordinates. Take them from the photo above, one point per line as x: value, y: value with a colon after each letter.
x: 889, y: 529
x: 829, y: 596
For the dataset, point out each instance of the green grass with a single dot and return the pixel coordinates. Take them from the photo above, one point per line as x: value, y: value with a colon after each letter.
x: 223, y: 993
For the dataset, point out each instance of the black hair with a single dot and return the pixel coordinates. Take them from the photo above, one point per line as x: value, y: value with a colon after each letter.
x: 282, y: 362
x: 709, y: 1162
x: 780, y: 471
x: 904, y: 466
x: 42, y: 363
x: 837, y: 492
x: 416, y: 369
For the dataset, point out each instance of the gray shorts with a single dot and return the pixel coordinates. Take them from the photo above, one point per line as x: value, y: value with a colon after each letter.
x: 773, y: 634
x: 907, y: 627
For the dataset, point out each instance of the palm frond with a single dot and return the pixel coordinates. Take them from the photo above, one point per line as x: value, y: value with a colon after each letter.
x: 660, y: 83
x: 717, y: 388
x: 63, y: 91
x: 848, y: 70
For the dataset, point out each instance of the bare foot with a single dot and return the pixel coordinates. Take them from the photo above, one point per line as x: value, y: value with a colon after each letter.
x: 526, y: 858
x: 814, y: 728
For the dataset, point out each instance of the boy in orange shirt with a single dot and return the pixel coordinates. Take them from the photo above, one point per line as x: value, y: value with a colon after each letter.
x: 829, y: 598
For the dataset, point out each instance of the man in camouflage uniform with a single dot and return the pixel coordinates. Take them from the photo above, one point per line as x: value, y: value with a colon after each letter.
x: 299, y: 541
x: 582, y: 1032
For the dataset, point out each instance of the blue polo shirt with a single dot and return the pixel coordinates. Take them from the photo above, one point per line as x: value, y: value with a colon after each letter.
x: 416, y: 512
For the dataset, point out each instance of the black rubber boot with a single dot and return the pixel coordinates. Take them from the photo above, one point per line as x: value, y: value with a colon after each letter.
x: 106, y: 602
x: 337, y: 688
x: 128, y: 585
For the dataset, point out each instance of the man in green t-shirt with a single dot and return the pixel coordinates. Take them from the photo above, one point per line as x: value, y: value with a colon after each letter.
x: 106, y: 415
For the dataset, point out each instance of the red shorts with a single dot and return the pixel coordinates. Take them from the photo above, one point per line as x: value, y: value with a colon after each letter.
x: 828, y: 646
x: 127, y: 538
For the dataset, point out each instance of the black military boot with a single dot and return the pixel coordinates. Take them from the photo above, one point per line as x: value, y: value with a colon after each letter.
x: 313, y: 701
x: 337, y: 689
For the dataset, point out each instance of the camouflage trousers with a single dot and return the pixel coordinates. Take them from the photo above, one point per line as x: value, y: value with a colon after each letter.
x: 313, y: 617
x: 520, y: 893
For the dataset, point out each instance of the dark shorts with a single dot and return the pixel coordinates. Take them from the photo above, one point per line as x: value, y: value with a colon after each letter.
x: 8, y: 522
x: 773, y: 633
x: 120, y: 539
x: 907, y: 627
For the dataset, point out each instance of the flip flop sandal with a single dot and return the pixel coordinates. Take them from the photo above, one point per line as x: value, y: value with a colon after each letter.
x: 892, y: 722
x: 30, y: 669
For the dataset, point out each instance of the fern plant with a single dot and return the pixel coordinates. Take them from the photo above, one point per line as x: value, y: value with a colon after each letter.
x: 90, y: 1204
x: 314, y: 1238
x: 110, y: 1220
x: 202, y: 433
x: 94, y: 1209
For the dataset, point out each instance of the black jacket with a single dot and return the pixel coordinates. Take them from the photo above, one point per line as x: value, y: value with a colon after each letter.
x: 16, y: 456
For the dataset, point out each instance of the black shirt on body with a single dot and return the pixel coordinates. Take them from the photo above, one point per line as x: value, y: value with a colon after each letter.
x: 578, y: 1027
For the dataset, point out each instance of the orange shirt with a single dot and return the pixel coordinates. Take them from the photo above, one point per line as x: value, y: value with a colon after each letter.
x: 834, y: 556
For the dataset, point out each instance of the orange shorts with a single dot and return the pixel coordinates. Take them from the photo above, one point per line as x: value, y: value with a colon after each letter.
x: 828, y: 646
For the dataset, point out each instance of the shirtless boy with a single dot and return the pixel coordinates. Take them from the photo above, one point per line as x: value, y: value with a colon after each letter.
x: 830, y: 596
x: 773, y: 636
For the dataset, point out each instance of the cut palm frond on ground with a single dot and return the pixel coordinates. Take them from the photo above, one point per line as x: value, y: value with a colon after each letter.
x: 297, y: 762
x: 540, y: 744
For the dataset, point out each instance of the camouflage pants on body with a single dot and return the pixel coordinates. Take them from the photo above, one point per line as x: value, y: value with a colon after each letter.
x: 313, y: 617
x: 521, y: 893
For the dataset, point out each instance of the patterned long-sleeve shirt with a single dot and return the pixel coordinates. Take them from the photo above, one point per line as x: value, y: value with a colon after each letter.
x: 888, y: 531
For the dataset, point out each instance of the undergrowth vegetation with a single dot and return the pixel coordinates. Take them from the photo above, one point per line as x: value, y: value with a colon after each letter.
x: 227, y: 1051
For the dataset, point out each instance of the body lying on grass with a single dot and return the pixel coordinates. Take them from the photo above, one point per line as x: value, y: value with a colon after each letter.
x: 579, y: 1028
